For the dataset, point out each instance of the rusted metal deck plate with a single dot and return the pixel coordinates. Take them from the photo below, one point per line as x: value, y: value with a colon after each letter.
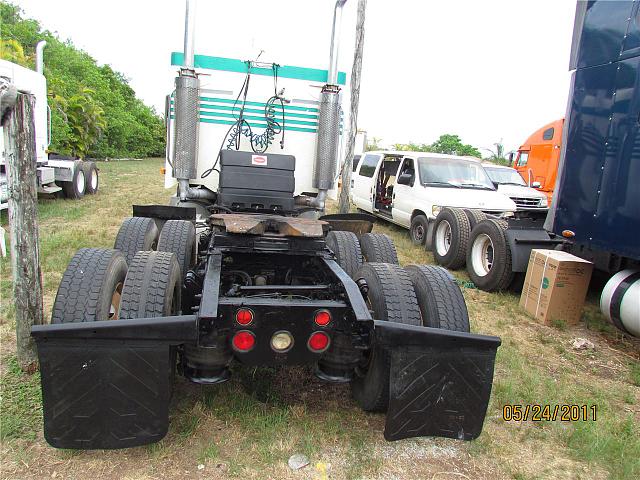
x: 270, y: 225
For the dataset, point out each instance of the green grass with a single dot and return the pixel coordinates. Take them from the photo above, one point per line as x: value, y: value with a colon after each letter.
x: 634, y: 373
x: 20, y: 402
x: 612, y: 441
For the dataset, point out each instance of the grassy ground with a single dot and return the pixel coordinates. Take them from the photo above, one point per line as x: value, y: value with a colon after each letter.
x: 250, y: 426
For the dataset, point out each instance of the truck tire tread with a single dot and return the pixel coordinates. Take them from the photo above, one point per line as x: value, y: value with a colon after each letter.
x: 136, y: 234
x: 87, y: 286
x: 392, y: 298
x: 179, y: 237
x: 474, y: 216
x: 151, y: 288
x: 378, y: 248
x: 346, y: 248
x: 439, y: 298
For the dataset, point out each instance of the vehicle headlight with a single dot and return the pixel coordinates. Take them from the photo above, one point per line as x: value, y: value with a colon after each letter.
x: 544, y: 202
x: 435, y: 210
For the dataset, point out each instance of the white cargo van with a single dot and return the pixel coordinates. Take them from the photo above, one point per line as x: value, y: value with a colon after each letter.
x: 410, y: 188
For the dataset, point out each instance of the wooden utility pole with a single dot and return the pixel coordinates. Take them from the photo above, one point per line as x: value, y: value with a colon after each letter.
x: 355, y: 100
x: 20, y: 151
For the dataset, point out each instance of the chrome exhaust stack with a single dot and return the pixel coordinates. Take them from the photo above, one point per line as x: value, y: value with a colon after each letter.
x: 186, y: 111
x: 326, y: 163
x: 40, y: 56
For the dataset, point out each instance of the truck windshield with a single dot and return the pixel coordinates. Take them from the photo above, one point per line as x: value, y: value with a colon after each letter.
x: 454, y: 172
x: 505, y: 176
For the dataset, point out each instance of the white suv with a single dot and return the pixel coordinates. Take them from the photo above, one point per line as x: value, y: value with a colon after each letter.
x: 410, y: 188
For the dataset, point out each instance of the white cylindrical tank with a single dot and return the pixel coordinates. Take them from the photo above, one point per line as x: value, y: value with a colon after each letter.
x: 620, y: 301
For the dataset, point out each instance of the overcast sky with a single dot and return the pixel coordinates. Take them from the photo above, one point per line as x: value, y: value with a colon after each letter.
x: 485, y: 70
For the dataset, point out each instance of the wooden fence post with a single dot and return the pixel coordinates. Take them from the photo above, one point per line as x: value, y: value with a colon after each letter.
x: 343, y: 203
x: 20, y: 150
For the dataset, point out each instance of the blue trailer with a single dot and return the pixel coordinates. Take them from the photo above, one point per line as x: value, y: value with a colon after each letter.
x: 595, y: 211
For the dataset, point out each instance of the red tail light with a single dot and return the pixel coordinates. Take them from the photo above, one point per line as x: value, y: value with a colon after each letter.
x: 244, y: 316
x: 322, y: 318
x: 243, y: 341
x: 318, y: 341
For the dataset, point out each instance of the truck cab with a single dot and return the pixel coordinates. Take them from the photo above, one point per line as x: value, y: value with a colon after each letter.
x: 537, y: 159
x: 399, y: 186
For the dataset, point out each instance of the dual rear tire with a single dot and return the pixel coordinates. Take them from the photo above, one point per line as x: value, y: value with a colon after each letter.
x: 85, y: 180
x: 132, y: 280
x: 97, y: 286
x: 352, y: 252
x: 419, y: 295
x: 141, y: 234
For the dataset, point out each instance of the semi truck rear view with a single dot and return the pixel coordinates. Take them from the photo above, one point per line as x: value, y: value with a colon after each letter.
x: 243, y: 267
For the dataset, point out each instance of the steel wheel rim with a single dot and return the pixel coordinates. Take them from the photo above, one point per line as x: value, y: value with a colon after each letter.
x: 418, y: 233
x: 80, y: 185
x: 94, y: 180
x: 114, y: 308
x: 443, y: 238
x: 482, y: 253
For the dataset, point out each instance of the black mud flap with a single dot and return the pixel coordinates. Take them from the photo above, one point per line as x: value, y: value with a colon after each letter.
x: 440, y: 381
x: 107, y: 384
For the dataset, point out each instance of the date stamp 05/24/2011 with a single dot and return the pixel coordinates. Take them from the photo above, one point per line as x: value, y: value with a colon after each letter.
x: 549, y: 413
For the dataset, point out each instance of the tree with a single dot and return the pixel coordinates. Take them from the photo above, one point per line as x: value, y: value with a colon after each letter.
x: 120, y: 125
x: 452, y: 145
x: 497, y: 154
x: 85, y: 119
x: 447, y: 143
x: 12, y: 51
x: 412, y: 147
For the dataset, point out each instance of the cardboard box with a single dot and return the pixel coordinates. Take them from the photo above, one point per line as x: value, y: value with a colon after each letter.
x: 555, y: 286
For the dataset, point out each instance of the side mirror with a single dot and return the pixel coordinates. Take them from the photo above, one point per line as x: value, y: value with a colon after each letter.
x: 536, y: 184
x: 495, y: 185
x: 510, y: 157
x: 405, y: 179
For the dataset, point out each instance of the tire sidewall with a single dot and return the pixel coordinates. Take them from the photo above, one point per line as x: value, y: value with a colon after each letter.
x: 450, y: 258
x: 89, y: 169
x: 151, y: 236
x: 116, y: 273
x: 173, y: 296
x: 491, y: 280
x: 366, y: 389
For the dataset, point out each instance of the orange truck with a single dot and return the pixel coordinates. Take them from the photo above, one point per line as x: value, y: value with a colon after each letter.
x: 538, y: 158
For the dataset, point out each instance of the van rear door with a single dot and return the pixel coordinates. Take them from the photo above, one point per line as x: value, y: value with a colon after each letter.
x: 363, y: 182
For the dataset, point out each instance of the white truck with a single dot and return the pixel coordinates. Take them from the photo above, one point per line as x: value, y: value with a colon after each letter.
x: 509, y: 182
x: 55, y: 173
x: 410, y: 189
